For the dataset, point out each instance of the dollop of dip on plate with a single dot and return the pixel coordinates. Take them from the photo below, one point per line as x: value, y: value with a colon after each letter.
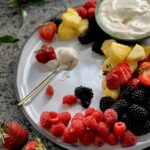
x: 129, y: 19
x: 65, y: 56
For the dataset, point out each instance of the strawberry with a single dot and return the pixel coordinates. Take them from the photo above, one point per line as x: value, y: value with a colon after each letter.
x: 144, y: 73
x: 45, y: 54
x: 13, y: 135
x: 34, y: 145
x: 119, y: 75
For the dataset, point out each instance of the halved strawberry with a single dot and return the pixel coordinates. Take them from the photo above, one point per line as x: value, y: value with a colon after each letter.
x: 118, y: 76
x: 144, y: 66
x: 144, y: 78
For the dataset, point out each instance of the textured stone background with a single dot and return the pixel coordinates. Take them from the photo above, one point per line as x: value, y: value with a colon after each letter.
x: 9, y: 54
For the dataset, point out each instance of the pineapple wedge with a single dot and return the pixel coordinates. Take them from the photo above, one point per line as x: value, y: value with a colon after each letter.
x: 84, y: 25
x: 65, y: 32
x: 71, y: 20
x: 106, y: 46
x: 104, y: 83
x: 133, y: 65
x: 137, y: 54
x: 72, y: 11
x: 114, y: 94
x: 146, y: 49
x: 108, y: 65
x: 118, y: 52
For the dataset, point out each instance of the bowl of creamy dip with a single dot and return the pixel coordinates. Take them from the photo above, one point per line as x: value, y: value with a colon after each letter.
x: 127, y: 20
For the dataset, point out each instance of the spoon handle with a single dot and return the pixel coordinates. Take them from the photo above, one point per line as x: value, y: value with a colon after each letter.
x: 40, y: 86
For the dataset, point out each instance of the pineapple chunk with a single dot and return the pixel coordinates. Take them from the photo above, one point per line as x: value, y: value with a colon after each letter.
x: 71, y: 20
x: 65, y: 32
x: 106, y: 46
x: 146, y: 49
x: 133, y: 65
x: 118, y: 52
x: 72, y: 11
x: 84, y: 25
x: 108, y: 65
x: 137, y: 53
x: 114, y: 94
x: 104, y: 83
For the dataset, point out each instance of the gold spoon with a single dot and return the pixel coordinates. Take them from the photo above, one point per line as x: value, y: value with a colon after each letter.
x: 43, y: 83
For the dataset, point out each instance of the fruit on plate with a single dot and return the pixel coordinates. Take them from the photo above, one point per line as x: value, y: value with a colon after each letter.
x: 133, y: 65
x: 118, y: 52
x: 106, y: 46
x: 65, y: 32
x: 83, y: 26
x: 47, y: 31
x: 118, y: 75
x: 49, y: 91
x: 146, y: 49
x: 45, y: 54
x: 137, y: 54
x: 13, y: 135
x: 35, y: 145
x: 108, y: 65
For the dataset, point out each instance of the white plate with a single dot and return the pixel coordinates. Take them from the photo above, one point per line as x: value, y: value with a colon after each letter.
x: 87, y: 73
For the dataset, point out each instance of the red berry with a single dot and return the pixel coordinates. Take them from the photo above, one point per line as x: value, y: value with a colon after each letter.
x: 65, y: 117
x: 68, y: 138
x: 82, y: 11
x: 49, y: 91
x: 69, y: 99
x: 57, y: 129
x: 128, y: 139
x: 77, y: 127
x: 54, y: 117
x: 148, y: 57
x: 98, y: 141
x: 45, y: 54
x: 87, y: 137
x: 110, y: 116
x: 98, y: 115
x: 134, y: 83
x: 89, y: 111
x: 119, y: 75
x: 103, y: 129
x: 112, y: 139
x: 91, y: 12
x: 144, y: 78
x: 79, y: 116
x: 45, y: 121
x: 32, y: 145
x: 53, y: 114
x: 90, y: 122
x: 119, y: 128
x: 89, y: 4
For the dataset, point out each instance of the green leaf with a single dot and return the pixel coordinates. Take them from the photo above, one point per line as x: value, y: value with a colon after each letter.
x: 8, y: 39
x: 22, y: 16
x: 14, y: 3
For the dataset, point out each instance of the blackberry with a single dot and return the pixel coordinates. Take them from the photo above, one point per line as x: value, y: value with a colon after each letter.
x: 124, y: 118
x: 85, y: 94
x: 125, y: 92
x: 106, y: 102
x: 148, y: 107
x: 138, y: 97
x: 86, y: 37
x: 120, y: 107
x: 57, y: 21
x: 96, y: 47
x: 137, y: 113
x: 146, y: 89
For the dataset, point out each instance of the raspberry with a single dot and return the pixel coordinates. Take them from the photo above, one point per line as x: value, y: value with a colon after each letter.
x: 49, y: 91
x: 91, y: 12
x: 65, y: 117
x: 89, y: 111
x: 68, y: 138
x: 98, y: 115
x: 87, y: 137
x: 119, y: 128
x: 58, y: 129
x: 79, y: 116
x: 103, y: 129
x: 128, y: 139
x: 69, y: 99
x: 90, y: 122
x: 54, y: 117
x: 134, y: 83
x: 77, y: 127
x: 82, y: 12
x: 45, y: 120
x: 112, y: 139
x: 110, y: 116
x: 98, y: 141
x: 89, y: 4
x: 53, y: 114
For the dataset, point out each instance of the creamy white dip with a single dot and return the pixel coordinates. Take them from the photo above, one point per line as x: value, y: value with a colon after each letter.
x: 129, y: 19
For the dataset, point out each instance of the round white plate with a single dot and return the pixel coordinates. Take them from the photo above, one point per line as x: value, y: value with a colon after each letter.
x: 87, y: 73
